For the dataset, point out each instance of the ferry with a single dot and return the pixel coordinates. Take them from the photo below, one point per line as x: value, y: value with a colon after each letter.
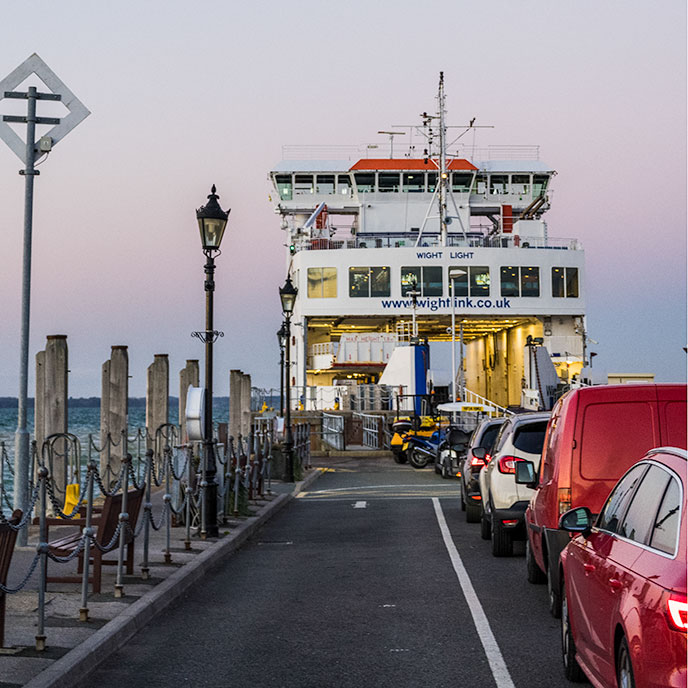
x: 437, y: 241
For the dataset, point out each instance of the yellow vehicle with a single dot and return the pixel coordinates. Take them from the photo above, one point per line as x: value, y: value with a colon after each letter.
x: 407, y: 427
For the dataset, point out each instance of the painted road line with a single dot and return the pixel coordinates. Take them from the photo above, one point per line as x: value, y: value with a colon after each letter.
x: 383, y: 487
x: 360, y: 505
x: 494, y: 656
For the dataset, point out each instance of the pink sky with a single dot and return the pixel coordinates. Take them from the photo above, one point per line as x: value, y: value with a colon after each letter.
x: 185, y: 95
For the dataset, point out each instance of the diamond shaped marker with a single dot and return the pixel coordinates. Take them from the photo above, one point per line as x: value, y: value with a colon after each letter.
x: 77, y: 110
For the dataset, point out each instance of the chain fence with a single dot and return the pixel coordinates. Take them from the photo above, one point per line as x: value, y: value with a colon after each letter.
x: 102, y: 488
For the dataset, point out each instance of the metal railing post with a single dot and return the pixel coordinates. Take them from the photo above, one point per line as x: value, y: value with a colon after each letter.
x: 123, y: 522
x: 42, y: 549
x: 88, y: 534
x: 147, y: 515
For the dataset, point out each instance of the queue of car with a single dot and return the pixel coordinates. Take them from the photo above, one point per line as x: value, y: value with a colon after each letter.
x: 597, y: 489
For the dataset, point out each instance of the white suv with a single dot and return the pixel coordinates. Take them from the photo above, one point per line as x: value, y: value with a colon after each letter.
x: 503, y: 501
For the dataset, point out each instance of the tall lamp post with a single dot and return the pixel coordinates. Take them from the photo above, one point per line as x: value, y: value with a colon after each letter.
x: 288, y: 298
x: 454, y: 274
x: 282, y: 339
x: 212, y: 221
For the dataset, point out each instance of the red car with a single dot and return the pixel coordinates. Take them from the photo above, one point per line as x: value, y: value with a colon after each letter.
x: 624, y: 604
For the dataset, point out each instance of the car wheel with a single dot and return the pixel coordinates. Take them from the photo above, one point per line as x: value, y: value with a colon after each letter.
x: 554, y: 595
x: 572, y: 669
x: 534, y: 573
x: 418, y: 459
x: 624, y: 668
x: 502, y: 543
x: 472, y: 513
x: 485, y: 527
x: 463, y: 500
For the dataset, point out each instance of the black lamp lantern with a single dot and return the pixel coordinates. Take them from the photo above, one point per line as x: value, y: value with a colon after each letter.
x: 212, y: 221
x: 288, y: 297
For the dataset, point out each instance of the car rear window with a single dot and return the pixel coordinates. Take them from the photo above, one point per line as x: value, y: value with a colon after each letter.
x: 665, y: 530
x: 640, y: 516
x: 489, y: 436
x: 613, y: 511
x: 614, y: 437
x: 530, y: 437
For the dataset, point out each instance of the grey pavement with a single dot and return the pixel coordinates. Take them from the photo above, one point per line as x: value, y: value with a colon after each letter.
x: 350, y: 585
x: 74, y: 647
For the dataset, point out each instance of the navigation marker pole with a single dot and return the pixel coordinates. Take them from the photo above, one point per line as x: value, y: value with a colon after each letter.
x: 29, y: 153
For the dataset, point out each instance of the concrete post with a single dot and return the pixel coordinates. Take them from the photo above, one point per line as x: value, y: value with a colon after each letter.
x: 235, y: 383
x: 189, y: 375
x: 157, y: 396
x: 245, y: 405
x: 55, y: 404
x: 114, y: 412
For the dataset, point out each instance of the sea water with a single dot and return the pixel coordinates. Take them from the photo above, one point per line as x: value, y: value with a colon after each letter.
x: 85, y: 421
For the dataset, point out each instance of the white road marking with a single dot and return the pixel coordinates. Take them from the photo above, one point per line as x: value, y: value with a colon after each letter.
x: 360, y: 505
x: 494, y: 656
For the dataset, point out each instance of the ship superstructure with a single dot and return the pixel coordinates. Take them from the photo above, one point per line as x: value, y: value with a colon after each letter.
x: 375, y: 246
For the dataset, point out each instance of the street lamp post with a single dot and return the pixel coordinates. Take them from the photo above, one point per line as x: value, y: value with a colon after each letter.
x: 282, y: 339
x: 212, y: 221
x: 454, y: 273
x: 288, y: 297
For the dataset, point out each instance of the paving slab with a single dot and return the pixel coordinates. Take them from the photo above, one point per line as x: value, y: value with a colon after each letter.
x: 75, y: 648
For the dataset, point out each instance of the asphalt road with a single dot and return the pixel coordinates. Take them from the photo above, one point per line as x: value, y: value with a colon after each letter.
x: 353, y: 585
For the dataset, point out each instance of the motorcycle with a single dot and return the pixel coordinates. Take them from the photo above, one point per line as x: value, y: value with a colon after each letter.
x: 420, y: 450
x: 451, y: 450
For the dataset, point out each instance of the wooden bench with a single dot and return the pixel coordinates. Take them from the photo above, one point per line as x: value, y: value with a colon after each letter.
x: 8, y: 537
x: 105, y: 523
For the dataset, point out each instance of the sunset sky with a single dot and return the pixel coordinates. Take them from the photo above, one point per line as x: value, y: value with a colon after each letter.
x: 184, y: 95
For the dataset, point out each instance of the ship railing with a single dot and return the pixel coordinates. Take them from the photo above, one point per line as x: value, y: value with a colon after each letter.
x: 473, y: 398
x: 372, y: 426
x: 333, y: 431
x: 468, y: 240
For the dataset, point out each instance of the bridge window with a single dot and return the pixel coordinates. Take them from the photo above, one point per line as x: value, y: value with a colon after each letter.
x: 480, y: 185
x: 369, y: 281
x: 499, y: 184
x: 344, y: 185
x: 460, y: 280
x: 461, y: 182
x: 520, y: 281
x: 283, y: 182
x: 303, y: 184
x: 540, y: 184
x: 365, y: 182
x: 413, y: 182
x: 520, y: 183
x: 480, y: 280
x: 565, y: 282
x: 324, y: 184
x: 387, y: 182
x: 322, y: 283
x: 426, y: 279
x: 432, y: 181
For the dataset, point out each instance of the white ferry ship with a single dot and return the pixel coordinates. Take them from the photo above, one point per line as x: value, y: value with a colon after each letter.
x: 375, y: 246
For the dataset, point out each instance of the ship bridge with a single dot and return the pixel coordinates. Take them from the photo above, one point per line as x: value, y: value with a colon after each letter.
x: 439, y: 247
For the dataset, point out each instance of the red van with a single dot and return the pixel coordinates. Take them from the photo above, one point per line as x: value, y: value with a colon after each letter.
x: 595, y: 434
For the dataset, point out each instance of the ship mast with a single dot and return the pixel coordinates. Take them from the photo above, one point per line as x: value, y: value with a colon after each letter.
x: 443, y: 174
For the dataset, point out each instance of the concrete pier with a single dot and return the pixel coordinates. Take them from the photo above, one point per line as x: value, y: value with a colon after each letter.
x: 114, y: 409
x: 188, y: 376
x: 157, y: 396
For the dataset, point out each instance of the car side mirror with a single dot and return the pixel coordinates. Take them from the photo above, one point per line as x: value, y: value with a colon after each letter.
x: 578, y: 520
x: 525, y: 473
x: 480, y: 452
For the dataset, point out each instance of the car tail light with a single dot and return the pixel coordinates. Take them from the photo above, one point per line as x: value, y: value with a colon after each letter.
x: 564, y: 499
x: 475, y: 462
x: 510, y: 522
x: 507, y: 464
x: 677, y: 612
